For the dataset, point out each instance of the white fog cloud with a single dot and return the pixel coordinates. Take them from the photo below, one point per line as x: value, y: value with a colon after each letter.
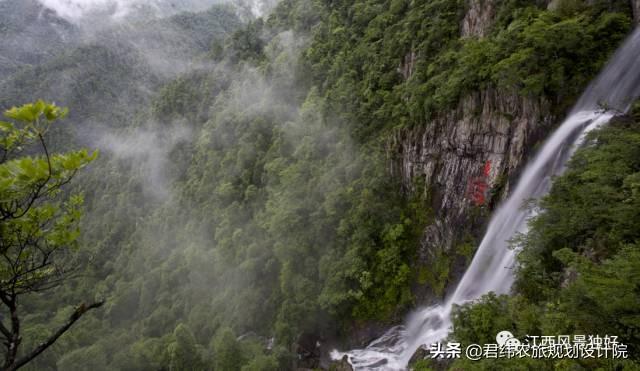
x: 74, y: 10
x: 148, y: 151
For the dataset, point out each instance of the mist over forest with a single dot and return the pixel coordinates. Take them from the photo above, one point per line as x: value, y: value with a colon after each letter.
x: 263, y: 185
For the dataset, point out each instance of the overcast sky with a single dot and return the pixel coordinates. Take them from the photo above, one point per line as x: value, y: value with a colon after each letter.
x: 76, y: 9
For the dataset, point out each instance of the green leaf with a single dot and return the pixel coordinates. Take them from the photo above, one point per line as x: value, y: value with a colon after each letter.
x: 29, y: 113
x: 6, y: 126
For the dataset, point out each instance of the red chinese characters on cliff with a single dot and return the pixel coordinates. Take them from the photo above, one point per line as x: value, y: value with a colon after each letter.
x: 478, y: 188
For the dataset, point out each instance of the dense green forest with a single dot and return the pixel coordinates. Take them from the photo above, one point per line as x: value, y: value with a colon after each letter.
x: 241, y: 209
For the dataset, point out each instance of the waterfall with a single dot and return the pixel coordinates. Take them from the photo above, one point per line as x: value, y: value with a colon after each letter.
x: 491, y: 268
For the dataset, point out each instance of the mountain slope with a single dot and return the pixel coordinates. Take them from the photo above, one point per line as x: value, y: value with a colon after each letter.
x: 272, y: 189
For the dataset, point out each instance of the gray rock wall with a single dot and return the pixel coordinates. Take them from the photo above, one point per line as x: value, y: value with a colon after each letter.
x: 479, y: 18
x: 486, y: 139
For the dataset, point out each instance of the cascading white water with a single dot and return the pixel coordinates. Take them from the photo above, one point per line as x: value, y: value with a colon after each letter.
x: 491, y: 269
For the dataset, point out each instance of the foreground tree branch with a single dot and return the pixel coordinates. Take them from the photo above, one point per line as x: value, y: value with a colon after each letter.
x: 80, y: 310
x: 38, y: 223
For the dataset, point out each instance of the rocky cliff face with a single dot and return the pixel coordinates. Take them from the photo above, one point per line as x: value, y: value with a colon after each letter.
x: 466, y: 159
x: 635, y: 5
x: 479, y: 18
